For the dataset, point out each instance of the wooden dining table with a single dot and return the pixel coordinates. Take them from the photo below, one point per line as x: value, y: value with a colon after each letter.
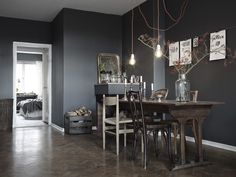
x: 182, y: 112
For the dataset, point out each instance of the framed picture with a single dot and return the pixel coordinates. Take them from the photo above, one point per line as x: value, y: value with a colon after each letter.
x: 108, y: 64
x: 218, y: 45
x: 185, y: 52
x: 173, y: 53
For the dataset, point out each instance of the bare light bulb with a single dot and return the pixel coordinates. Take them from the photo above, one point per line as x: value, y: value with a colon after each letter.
x: 158, y: 52
x: 132, y: 60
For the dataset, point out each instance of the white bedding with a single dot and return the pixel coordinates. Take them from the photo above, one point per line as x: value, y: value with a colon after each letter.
x: 35, y: 114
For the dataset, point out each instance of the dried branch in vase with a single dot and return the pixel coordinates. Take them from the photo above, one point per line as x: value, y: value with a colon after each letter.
x: 199, y: 52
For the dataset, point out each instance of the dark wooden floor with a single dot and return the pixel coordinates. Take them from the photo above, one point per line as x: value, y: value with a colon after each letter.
x: 44, y: 152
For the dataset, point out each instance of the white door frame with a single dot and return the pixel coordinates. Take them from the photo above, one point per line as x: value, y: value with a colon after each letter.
x: 32, y: 45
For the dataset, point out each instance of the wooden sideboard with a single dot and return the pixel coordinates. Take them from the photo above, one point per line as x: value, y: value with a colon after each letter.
x: 6, y: 114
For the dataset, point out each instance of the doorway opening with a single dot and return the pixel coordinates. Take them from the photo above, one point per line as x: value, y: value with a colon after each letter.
x: 32, y: 70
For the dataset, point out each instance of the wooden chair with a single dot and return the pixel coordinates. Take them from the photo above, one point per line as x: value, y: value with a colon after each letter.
x: 160, y: 95
x: 191, y: 123
x: 143, y: 125
x: 114, y: 125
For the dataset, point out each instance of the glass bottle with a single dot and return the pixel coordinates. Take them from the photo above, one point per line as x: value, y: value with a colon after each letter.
x: 182, y: 89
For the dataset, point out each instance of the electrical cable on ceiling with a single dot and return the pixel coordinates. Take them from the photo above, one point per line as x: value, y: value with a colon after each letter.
x: 182, y: 12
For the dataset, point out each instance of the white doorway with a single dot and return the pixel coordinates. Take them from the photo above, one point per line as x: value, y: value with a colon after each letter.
x: 45, y: 50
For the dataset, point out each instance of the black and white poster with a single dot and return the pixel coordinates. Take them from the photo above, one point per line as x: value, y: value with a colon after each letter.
x: 173, y: 53
x: 185, y: 52
x: 218, y: 45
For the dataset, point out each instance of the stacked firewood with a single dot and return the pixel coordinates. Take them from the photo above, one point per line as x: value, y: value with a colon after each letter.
x: 81, y: 111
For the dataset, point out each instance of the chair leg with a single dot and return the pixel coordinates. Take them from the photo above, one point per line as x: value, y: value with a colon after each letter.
x: 134, y: 144
x: 169, y: 146
x: 185, y: 144
x: 155, y: 138
x: 165, y: 136
x: 117, y: 139
x: 142, y: 144
x: 175, y: 132
x: 163, y: 139
x: 125, y: 135
x: 104, y: 136
x: 145, y: 149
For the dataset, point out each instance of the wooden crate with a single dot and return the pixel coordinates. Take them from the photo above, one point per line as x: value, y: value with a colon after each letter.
x: 78, y: 124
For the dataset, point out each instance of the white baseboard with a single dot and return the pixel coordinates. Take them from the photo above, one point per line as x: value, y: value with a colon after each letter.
x: 58, y: 127
x: 214, y: 144
x: 208, y: 143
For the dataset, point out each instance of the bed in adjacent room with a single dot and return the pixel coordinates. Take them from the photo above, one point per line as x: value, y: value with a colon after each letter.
x: 30, y: 108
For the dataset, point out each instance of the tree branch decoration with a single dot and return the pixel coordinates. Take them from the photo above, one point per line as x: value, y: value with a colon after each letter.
x: 198, y: 53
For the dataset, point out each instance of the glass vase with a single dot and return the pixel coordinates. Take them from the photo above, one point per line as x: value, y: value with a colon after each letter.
x: 182, y: 89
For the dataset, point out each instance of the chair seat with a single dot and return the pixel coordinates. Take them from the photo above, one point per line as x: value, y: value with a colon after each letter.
x: 121, y: 131
x: 112, y: 120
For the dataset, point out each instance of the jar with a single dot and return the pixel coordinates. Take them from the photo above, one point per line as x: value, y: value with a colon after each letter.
x: 182, y: 88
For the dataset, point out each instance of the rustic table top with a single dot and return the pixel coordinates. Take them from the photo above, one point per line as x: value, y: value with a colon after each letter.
x: 176, y: 103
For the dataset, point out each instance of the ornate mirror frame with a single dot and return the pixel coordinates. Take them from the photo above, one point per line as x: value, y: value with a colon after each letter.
x: 108, y: 63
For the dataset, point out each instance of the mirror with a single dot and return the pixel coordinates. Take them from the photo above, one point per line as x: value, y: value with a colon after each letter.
x: 109, y: 68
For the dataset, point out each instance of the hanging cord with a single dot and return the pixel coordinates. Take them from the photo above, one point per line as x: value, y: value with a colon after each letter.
x: 182, y: 9
x: 132, y: 32
x: 158, y: 21
x: 182, y: 12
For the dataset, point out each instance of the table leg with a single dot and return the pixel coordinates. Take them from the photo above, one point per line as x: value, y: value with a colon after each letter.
x: 199, y: 132
x: 197, y: 114
x: 182, y: 142
x: 195, y: 133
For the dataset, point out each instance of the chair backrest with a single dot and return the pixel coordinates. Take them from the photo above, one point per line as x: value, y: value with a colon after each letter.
x: 110, y: 101
x: 163, y: 92
x: 193, y: 95
x: 136, y: 108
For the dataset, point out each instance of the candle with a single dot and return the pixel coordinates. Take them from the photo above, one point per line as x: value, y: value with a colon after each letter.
x: 132, y: 79
x: 144, y: 85
x: 152, y: 86
x: 141, y: 78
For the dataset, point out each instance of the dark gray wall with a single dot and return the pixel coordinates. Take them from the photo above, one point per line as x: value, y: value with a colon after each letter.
x: 17, y: 30
x: 214, y: 81
x: 29, y: 57
x: 57, y: 70
x: 147, y: 65
x: 159, y: 63
x: 84, y: 35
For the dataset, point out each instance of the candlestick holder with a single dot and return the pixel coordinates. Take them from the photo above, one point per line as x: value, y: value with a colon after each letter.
x: 141, y: 87
x: 144, y: 94
x: 125, y: 95
x: 152, y: 93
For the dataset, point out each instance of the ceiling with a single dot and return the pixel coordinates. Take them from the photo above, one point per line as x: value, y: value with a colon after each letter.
x: 46, y: 10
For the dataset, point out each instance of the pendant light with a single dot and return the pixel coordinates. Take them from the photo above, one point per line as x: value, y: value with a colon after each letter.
x: 132, y: 60
x: 158, y: 52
